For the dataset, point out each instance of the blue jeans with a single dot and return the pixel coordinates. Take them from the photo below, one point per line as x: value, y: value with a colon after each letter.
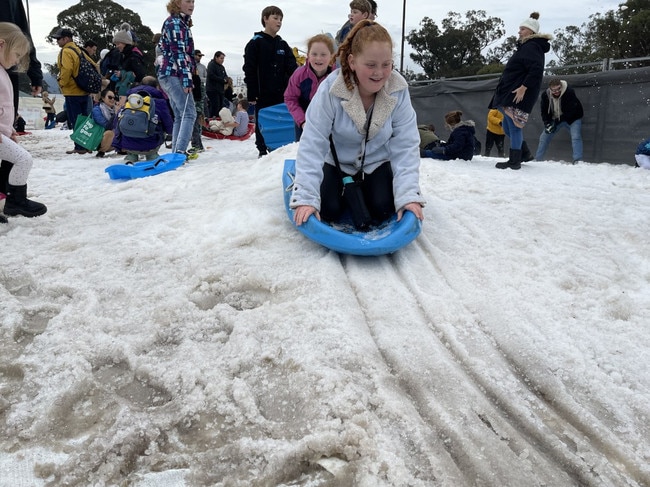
x: 575, y: 129
x: 74, y: 106
x: 514, y: 133
x: 184, y: 111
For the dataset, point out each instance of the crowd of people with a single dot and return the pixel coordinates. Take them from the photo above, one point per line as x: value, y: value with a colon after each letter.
x: 360, y: 123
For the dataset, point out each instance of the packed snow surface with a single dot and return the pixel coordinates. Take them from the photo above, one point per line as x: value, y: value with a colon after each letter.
x: 176, y: 330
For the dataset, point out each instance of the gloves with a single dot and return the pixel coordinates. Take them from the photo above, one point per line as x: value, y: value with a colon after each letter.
x: 550, y: 128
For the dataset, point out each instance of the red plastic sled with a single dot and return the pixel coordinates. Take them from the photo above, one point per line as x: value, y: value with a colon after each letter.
x: 217, y: 135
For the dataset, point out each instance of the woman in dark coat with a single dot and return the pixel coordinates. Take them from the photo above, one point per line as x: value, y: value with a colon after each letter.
x: 519, y: 86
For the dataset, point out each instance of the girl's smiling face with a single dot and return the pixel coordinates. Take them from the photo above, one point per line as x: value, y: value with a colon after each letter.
x: 319, y: 57
x: 372, y: 66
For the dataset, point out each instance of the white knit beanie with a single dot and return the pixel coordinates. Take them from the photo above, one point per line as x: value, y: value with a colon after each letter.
x: 123, y: 35
x: 532, y: 23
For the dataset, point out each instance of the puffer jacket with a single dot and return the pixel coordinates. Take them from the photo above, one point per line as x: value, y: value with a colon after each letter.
x: 6, y: 104
x: 461, y: 142
x: 495, y: 122
x: 103, y: 115
x: 300, y: 90
x: 68, y: 63
x: 525, y: 67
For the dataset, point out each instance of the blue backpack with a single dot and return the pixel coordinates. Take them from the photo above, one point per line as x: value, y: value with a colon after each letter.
x: 138, y: 118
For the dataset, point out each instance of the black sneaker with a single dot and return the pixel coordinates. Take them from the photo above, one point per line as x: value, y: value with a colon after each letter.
x: 100, y: 154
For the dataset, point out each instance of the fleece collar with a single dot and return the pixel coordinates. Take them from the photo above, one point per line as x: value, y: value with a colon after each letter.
x: 383, y: 107
x: 463, y: 123
x: 548, y: 37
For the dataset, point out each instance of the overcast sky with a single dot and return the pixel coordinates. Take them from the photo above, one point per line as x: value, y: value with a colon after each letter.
x: 227, y: 26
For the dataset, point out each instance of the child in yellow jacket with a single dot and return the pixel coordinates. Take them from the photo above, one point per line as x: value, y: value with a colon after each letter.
x: 494, y: 134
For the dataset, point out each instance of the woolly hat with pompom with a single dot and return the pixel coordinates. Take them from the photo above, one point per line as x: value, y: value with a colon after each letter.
x: 532, y: 23
x: 123, y: 35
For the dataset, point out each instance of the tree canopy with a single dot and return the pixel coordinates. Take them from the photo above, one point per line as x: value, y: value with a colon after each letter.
x: 467, y: 45
x: 619, y: 34
x: 99, y: 20
x: 456, y: 49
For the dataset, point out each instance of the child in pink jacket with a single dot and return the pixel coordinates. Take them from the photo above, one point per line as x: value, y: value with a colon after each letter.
x: 306, y: 79
x: 14, y: 50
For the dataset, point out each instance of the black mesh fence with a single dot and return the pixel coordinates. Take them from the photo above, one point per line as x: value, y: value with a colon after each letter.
x: 616, y: 105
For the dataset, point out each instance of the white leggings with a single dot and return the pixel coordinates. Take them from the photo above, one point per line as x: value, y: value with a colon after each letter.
x: 21, y: 159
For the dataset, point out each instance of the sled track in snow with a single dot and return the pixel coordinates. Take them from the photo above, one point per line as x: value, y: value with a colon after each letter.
x: 559, y: 441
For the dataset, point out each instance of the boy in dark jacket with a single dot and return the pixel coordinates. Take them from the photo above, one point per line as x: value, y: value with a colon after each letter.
x: 560, y: 109
x: 268, y: 64
x: 146, y: 145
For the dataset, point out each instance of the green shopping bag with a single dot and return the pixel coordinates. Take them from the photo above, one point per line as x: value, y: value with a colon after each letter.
x: 87, y: 133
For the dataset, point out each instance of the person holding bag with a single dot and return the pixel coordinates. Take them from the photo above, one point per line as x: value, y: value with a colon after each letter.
x: 104, y: 115
x: 366, y: 109
x: 69, y: 63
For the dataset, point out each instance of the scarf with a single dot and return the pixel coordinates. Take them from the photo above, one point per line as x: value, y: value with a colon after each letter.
x: 108, y: 112
x: 555, y: 104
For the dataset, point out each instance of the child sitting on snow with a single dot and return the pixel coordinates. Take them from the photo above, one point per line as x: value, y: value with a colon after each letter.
x: 145, y: 145
x: 228, y: 125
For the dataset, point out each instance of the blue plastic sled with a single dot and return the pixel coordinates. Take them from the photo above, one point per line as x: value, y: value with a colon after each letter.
x: 277, y: 126
x: 166, y: 162
x: 343, y: 238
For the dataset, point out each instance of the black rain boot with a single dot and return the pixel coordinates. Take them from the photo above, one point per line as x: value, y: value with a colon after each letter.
x: 18, y: 204
x: 525, y: 153
x: 5, y: 169
x: 513, y: 163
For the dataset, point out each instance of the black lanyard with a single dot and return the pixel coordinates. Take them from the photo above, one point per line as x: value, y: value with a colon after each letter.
x: 365, y: 143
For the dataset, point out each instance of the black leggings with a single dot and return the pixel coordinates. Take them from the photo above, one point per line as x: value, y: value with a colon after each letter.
x: 377, y: 191
x: 494, y: 139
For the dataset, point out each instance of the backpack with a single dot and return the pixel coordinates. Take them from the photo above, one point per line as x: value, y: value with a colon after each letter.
x: 138, y: 118
x: 88, y: 78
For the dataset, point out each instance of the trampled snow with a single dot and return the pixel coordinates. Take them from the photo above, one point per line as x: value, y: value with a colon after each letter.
x: 177, y: 331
